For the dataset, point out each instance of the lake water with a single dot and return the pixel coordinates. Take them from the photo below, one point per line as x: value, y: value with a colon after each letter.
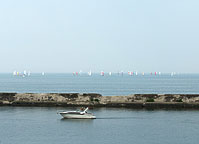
x: 105, y: 85
x: 39, y: 125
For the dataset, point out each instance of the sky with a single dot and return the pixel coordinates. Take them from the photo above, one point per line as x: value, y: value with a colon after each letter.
x: 110, y: 35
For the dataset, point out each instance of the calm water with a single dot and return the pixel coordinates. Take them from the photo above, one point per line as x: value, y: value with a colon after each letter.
x: 105, y: 85
x: 19, y: 125
x: 28, y: 125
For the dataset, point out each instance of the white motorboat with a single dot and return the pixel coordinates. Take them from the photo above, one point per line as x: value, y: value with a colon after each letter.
x: 77, y: 114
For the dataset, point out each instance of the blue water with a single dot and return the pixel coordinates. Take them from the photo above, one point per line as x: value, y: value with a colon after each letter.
x: 35, y: 125
x: 105, y: 85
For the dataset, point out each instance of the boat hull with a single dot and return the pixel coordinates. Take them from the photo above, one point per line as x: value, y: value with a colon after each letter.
x: 78, y: 116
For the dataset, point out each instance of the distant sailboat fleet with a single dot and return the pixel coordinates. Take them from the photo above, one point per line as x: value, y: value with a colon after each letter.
x: 102, y: 73
x: 121, y: 73
x: 24, y: 73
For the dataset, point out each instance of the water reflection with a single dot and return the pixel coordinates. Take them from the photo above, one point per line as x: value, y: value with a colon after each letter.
x: 116, y: 118
x: 77, y: 120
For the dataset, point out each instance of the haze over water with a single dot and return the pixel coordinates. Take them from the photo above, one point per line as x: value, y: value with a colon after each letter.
x: 65, y: 36
x: 105, y: 85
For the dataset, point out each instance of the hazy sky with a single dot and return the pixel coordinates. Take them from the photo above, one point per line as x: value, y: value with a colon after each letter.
x: 109, y: 35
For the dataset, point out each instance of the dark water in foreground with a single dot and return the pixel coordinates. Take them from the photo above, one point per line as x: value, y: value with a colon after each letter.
x: 26, y: 125
x: 105, y: 85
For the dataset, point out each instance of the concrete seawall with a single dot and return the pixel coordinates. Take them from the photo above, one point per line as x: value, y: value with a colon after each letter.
x: 148, y: 101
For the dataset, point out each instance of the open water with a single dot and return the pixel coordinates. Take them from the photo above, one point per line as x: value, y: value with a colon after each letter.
x: 39, y: 125
x: 105, y: 85
x: 36, y: 125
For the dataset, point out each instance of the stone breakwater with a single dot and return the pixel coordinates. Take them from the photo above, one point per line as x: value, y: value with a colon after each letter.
x: 97, y: 100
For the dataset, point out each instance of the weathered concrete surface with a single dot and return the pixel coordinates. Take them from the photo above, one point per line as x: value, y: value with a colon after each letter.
x: 96, y: 100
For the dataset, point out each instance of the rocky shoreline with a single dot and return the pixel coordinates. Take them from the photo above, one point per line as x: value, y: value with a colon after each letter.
x: 137, y: 101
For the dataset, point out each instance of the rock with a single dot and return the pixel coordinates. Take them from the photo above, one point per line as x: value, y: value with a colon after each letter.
x: 6, y: 102
x: 97, y: 100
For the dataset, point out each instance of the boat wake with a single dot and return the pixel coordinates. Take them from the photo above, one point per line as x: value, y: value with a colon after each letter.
x: 115, y: 118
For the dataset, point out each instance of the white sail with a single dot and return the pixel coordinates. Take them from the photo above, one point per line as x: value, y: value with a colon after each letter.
x: 24, y: 72
x: 28, y: 73
x: 90, y: 73
x: 15, y: 73
x: 136, y: 73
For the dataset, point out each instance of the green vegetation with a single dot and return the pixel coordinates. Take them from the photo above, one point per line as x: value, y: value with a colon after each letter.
x: 150, y: 100
x: 179, y: 100
x: 94, y: 99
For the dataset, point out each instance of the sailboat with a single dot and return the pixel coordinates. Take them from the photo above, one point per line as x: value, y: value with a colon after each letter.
x: 90, y: 73
x: 15, y: 73
x: 24, y: 72
x: 143, y: 73
x: 28, y: 73
x: 136, y: 73
x: 102, y: 73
